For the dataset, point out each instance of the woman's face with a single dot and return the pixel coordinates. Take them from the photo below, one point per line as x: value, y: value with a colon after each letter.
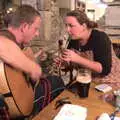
x: 74, y: 28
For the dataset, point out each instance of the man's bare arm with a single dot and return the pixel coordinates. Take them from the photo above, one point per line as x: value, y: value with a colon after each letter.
x: 13, y: 55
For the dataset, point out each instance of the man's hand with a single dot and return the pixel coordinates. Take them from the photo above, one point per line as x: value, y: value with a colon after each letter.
x: 36, y: 72
x: 41, y: 54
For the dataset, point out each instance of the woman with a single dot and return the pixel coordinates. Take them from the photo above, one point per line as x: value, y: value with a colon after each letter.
x: 96, y: 46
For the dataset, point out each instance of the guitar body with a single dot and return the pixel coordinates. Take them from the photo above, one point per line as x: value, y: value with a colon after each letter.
x: 12, y: 81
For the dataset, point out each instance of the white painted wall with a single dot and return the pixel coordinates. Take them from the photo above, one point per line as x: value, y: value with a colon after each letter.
x: 90, y: 4
x: 99, y: 9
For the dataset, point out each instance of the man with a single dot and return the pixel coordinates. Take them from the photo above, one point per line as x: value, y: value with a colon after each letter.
x: 23, y: 33
x: 23, y: 25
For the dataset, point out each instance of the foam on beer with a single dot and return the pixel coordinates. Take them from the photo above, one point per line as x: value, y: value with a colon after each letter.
x: 83, y: 79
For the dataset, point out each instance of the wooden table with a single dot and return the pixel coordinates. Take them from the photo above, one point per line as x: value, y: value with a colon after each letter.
x: 95, y: 105
x: 116, y: 41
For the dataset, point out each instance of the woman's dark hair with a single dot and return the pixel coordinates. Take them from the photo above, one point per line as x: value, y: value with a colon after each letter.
x: 21, y: 14
x: 82, y: 18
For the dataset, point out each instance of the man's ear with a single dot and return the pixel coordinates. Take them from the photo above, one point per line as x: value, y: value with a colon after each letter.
x: 23, y: 27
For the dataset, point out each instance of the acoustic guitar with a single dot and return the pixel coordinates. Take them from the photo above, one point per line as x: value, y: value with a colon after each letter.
x: 18, y: 91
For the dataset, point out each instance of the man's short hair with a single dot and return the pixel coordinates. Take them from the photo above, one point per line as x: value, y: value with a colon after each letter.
x: 21, y: 14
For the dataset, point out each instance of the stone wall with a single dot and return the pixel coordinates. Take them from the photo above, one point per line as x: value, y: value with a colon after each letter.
x: 112, y: 20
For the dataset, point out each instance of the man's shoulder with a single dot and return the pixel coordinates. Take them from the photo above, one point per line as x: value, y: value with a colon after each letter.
x: 7, y: 34
x: 2, y: 37
x: 5, y: 40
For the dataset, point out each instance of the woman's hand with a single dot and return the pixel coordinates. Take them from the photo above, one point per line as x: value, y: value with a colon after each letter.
x: 70, y: 55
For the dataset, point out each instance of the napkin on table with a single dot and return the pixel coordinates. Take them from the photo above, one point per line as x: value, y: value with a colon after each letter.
x: 72, y: 112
